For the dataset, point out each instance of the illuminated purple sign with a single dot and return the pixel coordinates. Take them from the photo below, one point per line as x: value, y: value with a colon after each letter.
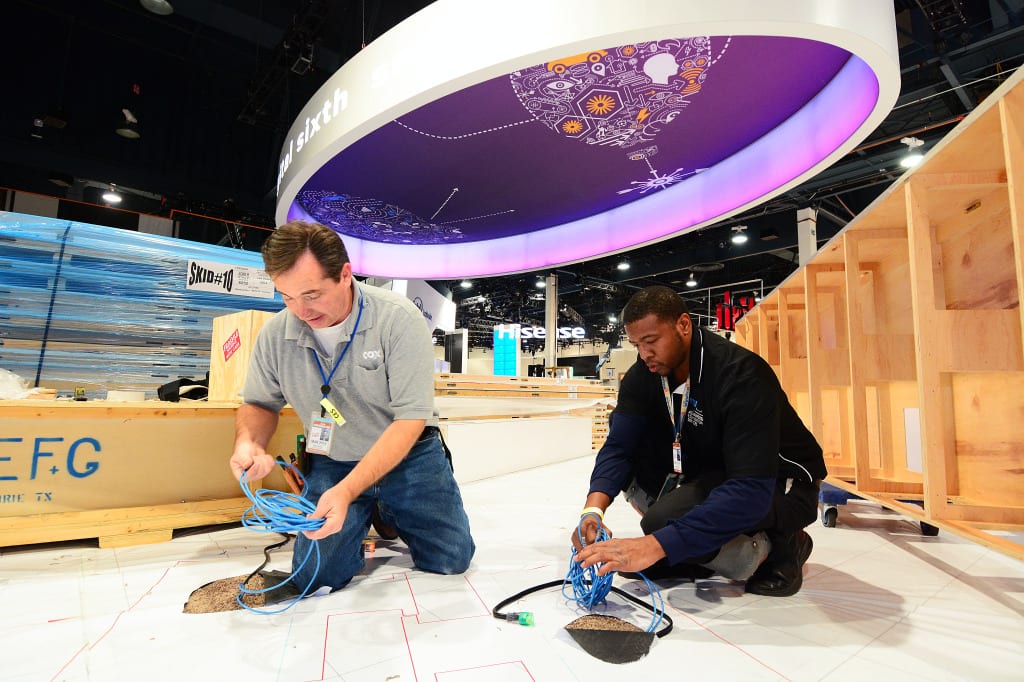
x: 587, y: 154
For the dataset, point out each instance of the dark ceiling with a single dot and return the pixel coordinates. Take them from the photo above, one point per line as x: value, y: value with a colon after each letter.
x: 215, y: 85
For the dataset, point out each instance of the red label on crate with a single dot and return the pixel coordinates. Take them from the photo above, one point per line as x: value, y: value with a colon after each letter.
x: 231, y: 345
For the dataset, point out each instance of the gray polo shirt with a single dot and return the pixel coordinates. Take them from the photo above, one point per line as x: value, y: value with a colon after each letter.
x: 387, y: 373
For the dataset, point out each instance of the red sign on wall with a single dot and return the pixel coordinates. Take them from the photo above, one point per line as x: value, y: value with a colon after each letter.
x: 729, y: 313
x: 231, y: 345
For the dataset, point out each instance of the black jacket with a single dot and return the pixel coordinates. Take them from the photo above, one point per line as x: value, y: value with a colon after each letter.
x: 739, y: 422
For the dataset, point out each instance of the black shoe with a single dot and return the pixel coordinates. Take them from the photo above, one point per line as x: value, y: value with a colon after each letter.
x: 661, y: 570
x: 782, y: 575
x: 279, y: 587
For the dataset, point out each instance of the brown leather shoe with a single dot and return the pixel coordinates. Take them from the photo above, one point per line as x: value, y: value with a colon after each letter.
x: 382, y: 529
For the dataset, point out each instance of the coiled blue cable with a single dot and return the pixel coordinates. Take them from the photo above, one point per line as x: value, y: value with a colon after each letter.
x: 590, y: 589
x: 274, y: 511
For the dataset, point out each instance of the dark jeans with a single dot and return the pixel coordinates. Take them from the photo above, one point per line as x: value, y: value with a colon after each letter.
x: 788, y: 513
x: 419, y: 497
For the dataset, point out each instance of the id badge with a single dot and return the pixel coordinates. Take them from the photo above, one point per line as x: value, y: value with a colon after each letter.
x: 321, y: 430
x: 677, y: 457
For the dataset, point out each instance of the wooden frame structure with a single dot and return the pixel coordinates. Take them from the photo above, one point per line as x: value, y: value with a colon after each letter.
x: 900, y: 341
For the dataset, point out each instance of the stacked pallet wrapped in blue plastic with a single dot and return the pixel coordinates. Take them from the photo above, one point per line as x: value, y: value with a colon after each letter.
x: 107, y: 309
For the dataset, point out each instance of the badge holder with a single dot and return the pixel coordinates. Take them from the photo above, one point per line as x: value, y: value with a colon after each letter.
x: 303, y: 461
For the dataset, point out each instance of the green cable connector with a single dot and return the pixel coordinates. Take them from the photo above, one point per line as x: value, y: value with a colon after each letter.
x: 522, y: 617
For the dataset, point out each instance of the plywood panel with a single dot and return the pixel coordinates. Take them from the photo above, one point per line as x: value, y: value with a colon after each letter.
x: 888, y: 211
x: 892, y: 400
x: 976, y: 146
x: 231, y: 346
x: 977, y: 255
x: 988, y: 418
x: 834, y: 439
x: 1011, y: 110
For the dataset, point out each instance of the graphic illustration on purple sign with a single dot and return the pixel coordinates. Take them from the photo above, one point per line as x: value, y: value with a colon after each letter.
x: 620, y: 97
x: 565, y: 139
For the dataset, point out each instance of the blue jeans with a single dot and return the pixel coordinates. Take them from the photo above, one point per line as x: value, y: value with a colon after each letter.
x: 419, y: 497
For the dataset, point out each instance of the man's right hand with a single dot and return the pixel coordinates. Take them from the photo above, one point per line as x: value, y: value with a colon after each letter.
x: 253, y: 460
x: 589, y: 525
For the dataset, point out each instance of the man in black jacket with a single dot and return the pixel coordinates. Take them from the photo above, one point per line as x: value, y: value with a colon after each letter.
x: 705, y: 445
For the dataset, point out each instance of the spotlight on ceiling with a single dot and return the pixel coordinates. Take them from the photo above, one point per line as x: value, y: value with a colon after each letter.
x: 913, y: 157
x: 739, y: 234
x: 466, y: 284
x: 623, y: 265
x: 161, y: 7
x: 692, y: 282
x: 130, y: 127
x: 111, y: 196
x: 540, y: 284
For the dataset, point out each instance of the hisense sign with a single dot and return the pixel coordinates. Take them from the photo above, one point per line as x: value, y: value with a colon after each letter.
x: 518, y: 331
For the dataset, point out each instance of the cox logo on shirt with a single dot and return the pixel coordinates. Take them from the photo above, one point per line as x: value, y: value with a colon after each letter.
x: 372, y: 355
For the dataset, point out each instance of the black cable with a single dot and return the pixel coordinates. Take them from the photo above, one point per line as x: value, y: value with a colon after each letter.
x: 496, y: 611
x: 266, y: 555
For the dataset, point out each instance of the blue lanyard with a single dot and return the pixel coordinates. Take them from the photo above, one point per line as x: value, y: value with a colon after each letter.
x: 677, y: 427
x: 326, y: 388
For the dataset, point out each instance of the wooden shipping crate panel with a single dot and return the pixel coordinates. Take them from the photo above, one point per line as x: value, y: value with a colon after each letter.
x: 231, y: 346
x: 70, y: 457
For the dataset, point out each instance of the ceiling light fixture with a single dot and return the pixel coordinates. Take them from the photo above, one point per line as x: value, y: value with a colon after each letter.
x: 623, y: 265
x: 540, y: 284
x: 130, y: 127
x: 913, y: 157
x: 466, y: 284
x: 740, y: 234
x: 111, y: 196
x: 161, y: 7
x: 692, y: 282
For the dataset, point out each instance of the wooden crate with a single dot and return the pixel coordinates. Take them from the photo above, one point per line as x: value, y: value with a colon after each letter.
x: 126, y: 473
x: 900, y: 342
x: 231, y: 346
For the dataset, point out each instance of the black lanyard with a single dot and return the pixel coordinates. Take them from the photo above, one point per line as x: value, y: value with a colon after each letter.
x: 326, y: 388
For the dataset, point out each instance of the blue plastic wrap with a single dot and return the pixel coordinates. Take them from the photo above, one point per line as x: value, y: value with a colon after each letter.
x: 105, y: 308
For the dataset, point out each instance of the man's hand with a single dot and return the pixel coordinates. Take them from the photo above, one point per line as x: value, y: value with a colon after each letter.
x: 253, y: 460
x: 627, y: 554
x: 588, y: 525
x: 332, y: 508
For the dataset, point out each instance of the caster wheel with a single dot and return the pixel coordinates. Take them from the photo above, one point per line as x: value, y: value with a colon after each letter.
x: 928, y: 529
x: 829, y: 517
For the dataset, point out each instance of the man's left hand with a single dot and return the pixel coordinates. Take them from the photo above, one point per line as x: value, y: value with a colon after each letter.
x: 332, y: 508
x: 624, y: 554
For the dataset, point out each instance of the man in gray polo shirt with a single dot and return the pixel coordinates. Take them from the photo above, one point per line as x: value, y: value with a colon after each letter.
x: 356, y: 364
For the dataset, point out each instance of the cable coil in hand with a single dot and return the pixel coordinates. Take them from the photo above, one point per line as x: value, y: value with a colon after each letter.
x: 274, y: 511
x: 590, y: 589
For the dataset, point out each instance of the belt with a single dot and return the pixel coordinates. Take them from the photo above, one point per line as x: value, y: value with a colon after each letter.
x: 427, y: 433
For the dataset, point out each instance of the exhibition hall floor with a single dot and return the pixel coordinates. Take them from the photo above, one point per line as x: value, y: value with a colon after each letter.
x: 880, y: 601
